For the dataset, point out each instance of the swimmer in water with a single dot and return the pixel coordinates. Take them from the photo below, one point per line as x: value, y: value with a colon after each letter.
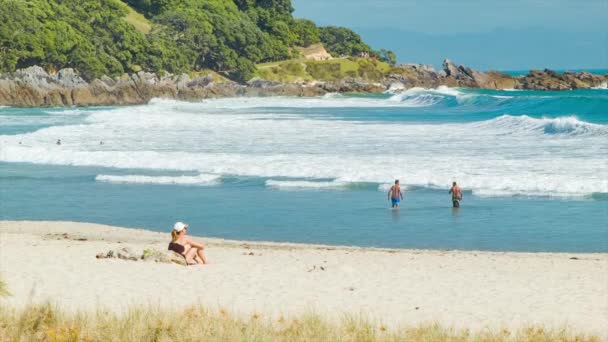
x: 58, y: 141
x: 456, y: 195
x: 395, y: 195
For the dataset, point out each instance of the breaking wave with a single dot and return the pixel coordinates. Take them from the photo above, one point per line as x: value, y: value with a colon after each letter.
x: 566, y: 125
x: 249, y: 137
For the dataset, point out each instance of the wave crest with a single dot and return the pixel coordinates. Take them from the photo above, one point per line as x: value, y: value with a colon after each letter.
x: 563, y: 125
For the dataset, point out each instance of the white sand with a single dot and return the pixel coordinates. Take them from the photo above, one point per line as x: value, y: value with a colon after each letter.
x: 461, y: 289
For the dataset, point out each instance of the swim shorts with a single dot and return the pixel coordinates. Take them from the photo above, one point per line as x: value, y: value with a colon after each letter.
x: 395, y: 201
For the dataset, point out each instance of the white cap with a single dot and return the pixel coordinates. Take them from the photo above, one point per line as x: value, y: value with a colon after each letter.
x: 179, y: 226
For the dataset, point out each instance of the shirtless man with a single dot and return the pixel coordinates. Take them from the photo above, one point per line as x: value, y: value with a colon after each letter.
x: 456, y: 195
x: 395, y: 195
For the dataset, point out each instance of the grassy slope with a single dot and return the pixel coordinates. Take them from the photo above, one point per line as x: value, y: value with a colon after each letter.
x: 46, y: 323
x: 312, y: 50
x: 330, y: 70
x: 217, y: 78
x: 137, y: 19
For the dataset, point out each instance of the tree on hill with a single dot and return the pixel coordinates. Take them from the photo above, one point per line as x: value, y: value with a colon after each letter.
x: 84, y: 34
x: 306, y: 31
x: 387, y: 56
x: 342, y: 41
x: 94, y: 36
x: 150, y: 8
x: 217, y: 34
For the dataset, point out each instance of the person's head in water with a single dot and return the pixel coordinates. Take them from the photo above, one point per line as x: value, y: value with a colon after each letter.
x: 396, y: 182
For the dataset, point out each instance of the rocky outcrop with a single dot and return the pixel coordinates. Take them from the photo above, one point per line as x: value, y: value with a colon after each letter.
x: 34, y: 87
x: 415, y: 75
x: 551, y: 80
x: 462, y: 76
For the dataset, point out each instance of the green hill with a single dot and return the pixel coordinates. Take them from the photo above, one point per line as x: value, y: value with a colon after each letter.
x: 112, y: 37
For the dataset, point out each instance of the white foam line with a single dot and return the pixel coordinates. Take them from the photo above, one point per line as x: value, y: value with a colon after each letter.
x: 305, y: 184
x: 200, y: 180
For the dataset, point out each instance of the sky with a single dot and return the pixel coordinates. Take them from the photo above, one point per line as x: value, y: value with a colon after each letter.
x: 484, y: 34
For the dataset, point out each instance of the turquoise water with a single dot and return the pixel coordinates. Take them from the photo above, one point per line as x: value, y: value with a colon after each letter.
x: 533, y: 165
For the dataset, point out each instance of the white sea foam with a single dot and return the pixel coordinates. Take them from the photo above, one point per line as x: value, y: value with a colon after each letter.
x: 603, y: 85
x: 395, y: 88
x: 332, y: 95
x: 400, y: 99
x: 385, y: 187
x: 201, y: 180
x: 305, y: 184
x: 509, y: 154
x: 67, y: 112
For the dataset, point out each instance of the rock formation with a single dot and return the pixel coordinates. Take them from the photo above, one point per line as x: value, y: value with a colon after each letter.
x: 34, y: 87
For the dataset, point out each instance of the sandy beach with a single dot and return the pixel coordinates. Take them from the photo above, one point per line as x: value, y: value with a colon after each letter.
x: 55, y: 261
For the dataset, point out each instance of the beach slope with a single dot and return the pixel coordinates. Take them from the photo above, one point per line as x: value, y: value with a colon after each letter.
x: 55, y: 261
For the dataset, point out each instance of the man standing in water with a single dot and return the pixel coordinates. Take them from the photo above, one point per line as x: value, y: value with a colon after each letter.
x: 456, y: 195
x: 395, y: 195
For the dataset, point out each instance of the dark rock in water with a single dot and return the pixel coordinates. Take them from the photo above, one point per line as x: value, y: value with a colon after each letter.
x: 451, y: 70
x: 462, y: 76
x: 551, y: 80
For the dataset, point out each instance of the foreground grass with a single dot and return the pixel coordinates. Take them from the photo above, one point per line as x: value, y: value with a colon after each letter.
x: 46, y: 323
x: 3, y: 289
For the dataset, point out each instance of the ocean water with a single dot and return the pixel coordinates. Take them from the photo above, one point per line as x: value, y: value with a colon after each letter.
x: 534, y: 167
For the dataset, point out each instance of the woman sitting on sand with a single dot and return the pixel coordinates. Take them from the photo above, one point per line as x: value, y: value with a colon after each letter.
x: 191, y: 250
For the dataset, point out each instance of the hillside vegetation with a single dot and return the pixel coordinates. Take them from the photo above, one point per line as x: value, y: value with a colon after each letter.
x: 112, y: 37
x: 329, y: 70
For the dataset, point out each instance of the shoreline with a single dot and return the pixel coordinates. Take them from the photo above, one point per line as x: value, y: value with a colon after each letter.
x: 57, y: 227
x: 34, y: 87
x: 42, y: 260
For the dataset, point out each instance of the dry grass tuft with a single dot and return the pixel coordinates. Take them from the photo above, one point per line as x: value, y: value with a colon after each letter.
x: 47, y: 323
x: 3, y: 289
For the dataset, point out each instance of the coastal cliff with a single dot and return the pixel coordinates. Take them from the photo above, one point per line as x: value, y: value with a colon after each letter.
x: 33, y: 86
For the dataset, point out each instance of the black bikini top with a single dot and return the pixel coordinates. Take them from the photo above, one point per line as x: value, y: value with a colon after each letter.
x: 176, y: 247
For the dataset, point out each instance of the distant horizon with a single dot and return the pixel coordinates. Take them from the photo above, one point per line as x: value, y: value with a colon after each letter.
x: 489, y: 35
